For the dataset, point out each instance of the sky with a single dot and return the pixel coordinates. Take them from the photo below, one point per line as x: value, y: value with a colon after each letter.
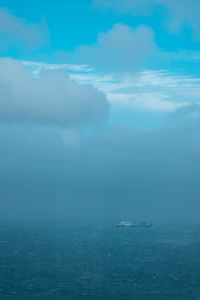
x: 100, y: 109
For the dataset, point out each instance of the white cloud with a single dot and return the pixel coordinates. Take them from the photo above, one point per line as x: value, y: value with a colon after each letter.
x: 32, y: 35
x: 179, y: 13
x: 122, y: 48
x: 146, y: 90
x: 149, y: 90
x: 51, y: 98
x: 145, y: 101
x: 183, y: 56
x: 182, y: 13
x: 37, y: 67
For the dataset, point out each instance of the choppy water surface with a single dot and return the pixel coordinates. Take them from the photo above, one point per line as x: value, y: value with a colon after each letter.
x: 92, y: 261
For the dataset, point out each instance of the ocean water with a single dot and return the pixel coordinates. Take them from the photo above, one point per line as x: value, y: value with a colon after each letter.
x: 89, y: 261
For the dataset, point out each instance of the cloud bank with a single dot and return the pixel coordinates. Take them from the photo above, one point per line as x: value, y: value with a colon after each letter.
x: 115, y: 172
x: 51, y: 98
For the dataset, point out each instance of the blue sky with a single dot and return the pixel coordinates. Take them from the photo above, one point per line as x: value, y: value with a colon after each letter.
x: 100, y: 96
x: 76, y: 23
x: 158, y: 37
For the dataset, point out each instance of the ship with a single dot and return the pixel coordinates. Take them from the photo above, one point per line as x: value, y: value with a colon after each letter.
x: 125, y: 224
x: 130, y: 224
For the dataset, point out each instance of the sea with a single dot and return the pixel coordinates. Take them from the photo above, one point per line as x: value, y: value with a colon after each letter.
x: 95, y: 260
